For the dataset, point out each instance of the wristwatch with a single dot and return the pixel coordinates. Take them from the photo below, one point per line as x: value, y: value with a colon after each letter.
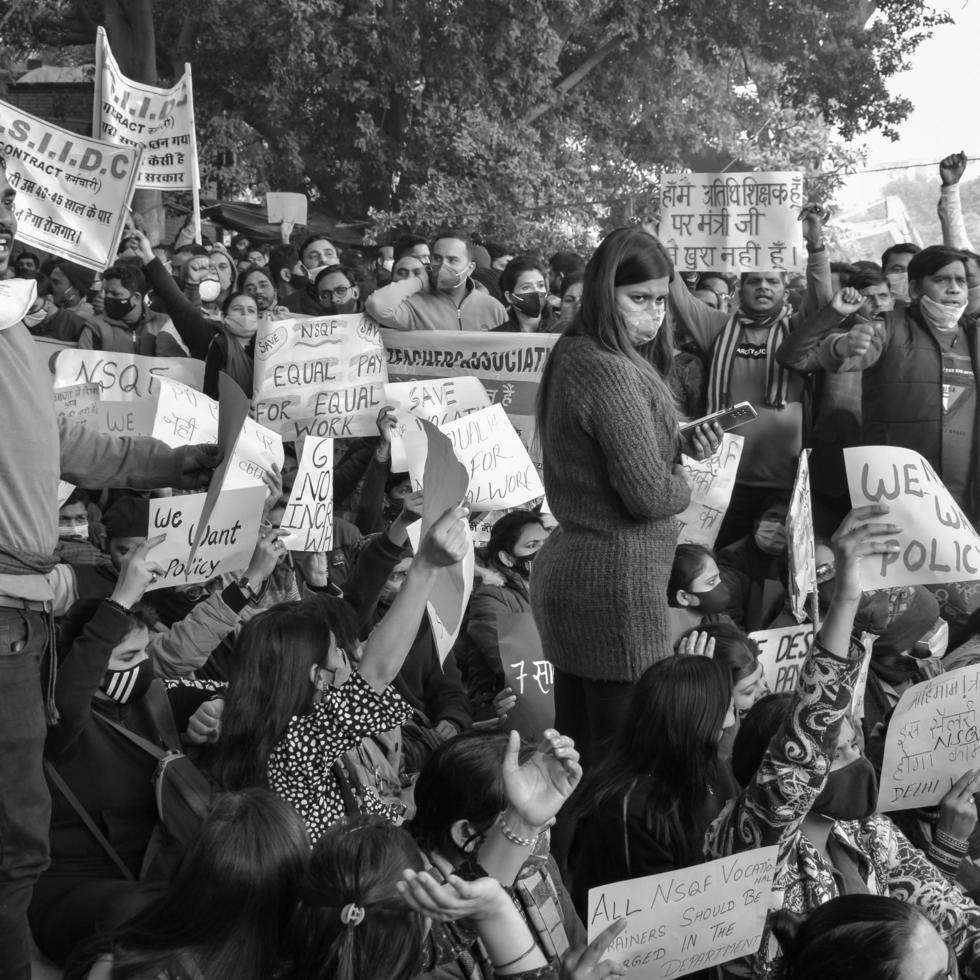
x: 247, y: 590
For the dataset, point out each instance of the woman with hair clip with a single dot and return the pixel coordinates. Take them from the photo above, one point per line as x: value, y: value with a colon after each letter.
x: 646, y: 806
x: 607, y: 423
x: 862, y: 937
x: 368, y: 900
x: 224, y: 915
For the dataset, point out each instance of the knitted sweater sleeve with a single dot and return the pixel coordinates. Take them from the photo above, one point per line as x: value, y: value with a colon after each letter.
x: 618, y: 412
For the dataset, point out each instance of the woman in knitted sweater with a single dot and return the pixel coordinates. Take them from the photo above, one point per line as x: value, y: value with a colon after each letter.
x: 608, y: 428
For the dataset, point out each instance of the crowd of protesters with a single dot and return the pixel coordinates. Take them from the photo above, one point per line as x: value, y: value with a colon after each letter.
x: 362, y: 810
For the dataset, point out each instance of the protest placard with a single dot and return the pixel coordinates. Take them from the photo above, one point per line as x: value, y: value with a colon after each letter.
x: 508, y: 365
x: 158, y: 120
x: 187, y: 417
x: 323, y: 376
x: 453, y: 585
x: 937, y: 543
x: 799, y: 531
x: 438, y: 401
x: 528, y: 674
x: 932, y: 740
x: 128, y: 383
x: 285, y: 206
x: 499, y: 469
x: 72, y: 191
x: 781, y: 653
x: 79, y: 404
x: 227, y: 538
x: 309, y: 513
x: 712, y: 481
x: 683, y: 921
x: 732, y: 222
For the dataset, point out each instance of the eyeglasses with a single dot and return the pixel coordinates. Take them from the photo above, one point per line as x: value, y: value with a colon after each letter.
x: 340, y: 293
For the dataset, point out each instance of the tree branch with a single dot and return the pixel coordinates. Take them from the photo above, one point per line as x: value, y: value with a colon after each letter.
x: 576, y: 77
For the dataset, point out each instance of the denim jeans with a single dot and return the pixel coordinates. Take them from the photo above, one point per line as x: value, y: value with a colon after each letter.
x: 25, y: 805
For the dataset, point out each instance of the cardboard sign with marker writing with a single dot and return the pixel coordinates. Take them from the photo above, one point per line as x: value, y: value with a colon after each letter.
x: 309, y: 514
x: 937, y: 543
x: 687, y: 920
x: 225, y: 540
x: 321, y: 376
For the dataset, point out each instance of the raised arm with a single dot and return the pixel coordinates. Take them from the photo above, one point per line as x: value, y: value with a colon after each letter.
x: 386, y: 648
x: 801, y: 348
x: 795, y: 766
x: 195, y: 329
x: 389, y: 304
x: 950, y: 209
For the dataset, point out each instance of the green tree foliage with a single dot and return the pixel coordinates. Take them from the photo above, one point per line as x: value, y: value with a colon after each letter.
x: 494, y: 111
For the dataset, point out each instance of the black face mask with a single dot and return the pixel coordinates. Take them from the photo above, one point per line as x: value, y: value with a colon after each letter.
x: 715, y: 600
x: 336, y: 309
x: 522, y: 565
x: 119, y: 309
x: 530, y: 304
x: 124, y: 686
x: 850, y: 793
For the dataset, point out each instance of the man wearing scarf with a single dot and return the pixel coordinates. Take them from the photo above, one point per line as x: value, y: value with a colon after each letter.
x: 742, y: 347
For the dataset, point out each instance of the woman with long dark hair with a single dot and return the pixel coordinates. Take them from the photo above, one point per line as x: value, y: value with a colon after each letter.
x: 608, y: 429
x: 302, y: 692
x: 646, y: 806
x: 223, y: 916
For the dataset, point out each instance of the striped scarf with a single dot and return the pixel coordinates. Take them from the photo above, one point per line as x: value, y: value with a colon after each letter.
x: 777, y: 377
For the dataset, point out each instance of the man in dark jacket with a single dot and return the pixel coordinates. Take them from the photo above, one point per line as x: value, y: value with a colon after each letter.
x: 919, y: 384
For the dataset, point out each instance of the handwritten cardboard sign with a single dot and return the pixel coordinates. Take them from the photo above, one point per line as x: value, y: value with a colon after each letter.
x: 528, y: 674
x: 72, y: 191
x: 732, y: 222
x: 437, y: 401
x: 799, y: 530
x: 187, y: 417
x: 781, y: 653
x: 453, y: 585
x: 129, y: 384
x: 498, y: 467
x: 937, y: 543
x: 227, y: 539
x: 932, y: 740
x: 684, y: 921
x: 321, y: 376
x: 508, y: 365
x: 78, y: 404
x: 712, y: 481
x: 309, y: 513
x: 160, y: 121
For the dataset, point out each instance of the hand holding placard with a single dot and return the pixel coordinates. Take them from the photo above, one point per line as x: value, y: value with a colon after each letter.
x: 690, y: 919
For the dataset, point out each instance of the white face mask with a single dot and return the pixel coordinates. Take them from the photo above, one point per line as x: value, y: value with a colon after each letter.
x: 35, y: 319
x: 74, y: 532
x: 311, y: 274
x: 939, y: 316
x: 209, y: 290
x: 898, y: 282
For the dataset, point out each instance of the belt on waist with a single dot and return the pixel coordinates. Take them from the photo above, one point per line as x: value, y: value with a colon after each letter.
x: 26, y: 605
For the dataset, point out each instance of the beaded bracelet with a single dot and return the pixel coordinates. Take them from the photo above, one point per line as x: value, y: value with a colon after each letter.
x: 954, y: 844
x: 512, y: 837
